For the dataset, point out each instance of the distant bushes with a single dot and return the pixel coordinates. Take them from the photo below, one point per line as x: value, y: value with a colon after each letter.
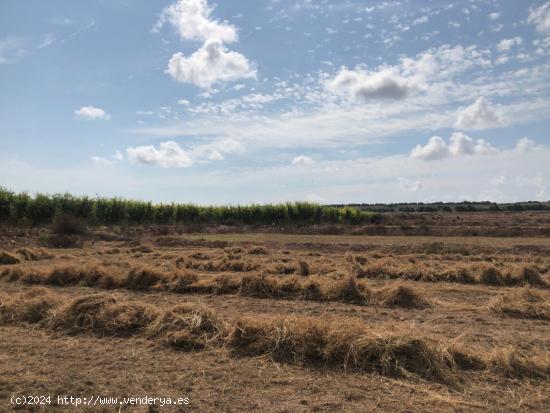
x: 21, y: 208
x: 464, y: 206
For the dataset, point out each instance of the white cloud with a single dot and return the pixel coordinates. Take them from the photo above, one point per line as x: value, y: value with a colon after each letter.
x: 11, y: 49
x: 302, y: 160
x: 479, y: 115
x: 363, y: 85
x: 525, y: 145
x: 215, y: 156
x: 210, y: 64
x: 498, y: 180
x: 118, y: 155
x: 494, y: 16
x: 506, y: 44
x: 420, y: 20
x: 540, y: 17
x: 91, y: 113
x: 463, y: 145
x: 460, y: 145
x: 192, y: 20
x: 408, y: 185
x: 48, y: 40
x: 183, y: 102
x: 435, y: 149
x: 101, y: 161
x: 169, y: 154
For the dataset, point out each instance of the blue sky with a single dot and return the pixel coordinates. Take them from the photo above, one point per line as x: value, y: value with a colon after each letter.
x: 275, y: 100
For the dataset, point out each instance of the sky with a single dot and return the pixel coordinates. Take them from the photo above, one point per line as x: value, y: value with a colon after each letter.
x: 265, y: 101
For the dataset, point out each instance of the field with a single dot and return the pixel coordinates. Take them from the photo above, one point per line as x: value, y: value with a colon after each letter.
x: 267, y: 319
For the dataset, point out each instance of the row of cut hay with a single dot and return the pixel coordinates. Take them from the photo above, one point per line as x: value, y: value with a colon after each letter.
x: 515, y: 275
x: 347, y: 345
x: 346, y: 290
x: 189, y: 326
x: 301, y: 268
x: 524, y: 303
x: 27, y: 254
x: 222, y: 265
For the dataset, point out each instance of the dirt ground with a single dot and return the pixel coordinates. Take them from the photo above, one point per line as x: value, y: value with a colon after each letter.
x: 455, y: 276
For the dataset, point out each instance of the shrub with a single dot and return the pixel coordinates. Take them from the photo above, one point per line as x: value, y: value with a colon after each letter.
x: 65, y: 224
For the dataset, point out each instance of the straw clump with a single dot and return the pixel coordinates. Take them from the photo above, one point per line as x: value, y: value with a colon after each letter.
x: 7, y: 258
x: 347, y: 346
x: 522, y: 303
x: 402, y: 296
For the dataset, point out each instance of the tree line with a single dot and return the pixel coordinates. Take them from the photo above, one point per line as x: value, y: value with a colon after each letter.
x: 24, y: 209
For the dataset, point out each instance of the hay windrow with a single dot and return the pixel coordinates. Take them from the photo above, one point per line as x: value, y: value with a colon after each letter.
x: 102, y: 315
x: 187, y: 326
x: 345, y: 344
x: 7, y: 258
x: 523, y: 303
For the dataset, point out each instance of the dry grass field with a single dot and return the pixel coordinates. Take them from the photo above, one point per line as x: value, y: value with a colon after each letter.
x: 278, y: 322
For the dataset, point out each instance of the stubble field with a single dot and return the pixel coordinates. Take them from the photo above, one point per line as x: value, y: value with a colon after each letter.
x: 278, y: 322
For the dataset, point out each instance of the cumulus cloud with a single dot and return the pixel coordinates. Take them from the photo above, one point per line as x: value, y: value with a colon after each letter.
x: 210, y: 64
x: 463, y: 145
x: 411, y: 74
x: 168, y: 155
x: 192, y: 20
x: 506, y: 44
x: 494, y: 16
x: 436, y: 148
x: 359, y: 84
x: 540, y: 17
x: 91, y: 113
x: 302, y: 160
x: 479, y: 115
x: 460, y: 145
x: 525, y: 145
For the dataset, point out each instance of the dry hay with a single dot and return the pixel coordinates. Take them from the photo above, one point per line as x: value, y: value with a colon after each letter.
x: 523, y: 303
x: 34, y: 254
x: 187, y: 326
x: 7, y: 258
x: 402, y: 296
x: 349, y: 346
x: 142, y: 278
x: 102, y: 315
